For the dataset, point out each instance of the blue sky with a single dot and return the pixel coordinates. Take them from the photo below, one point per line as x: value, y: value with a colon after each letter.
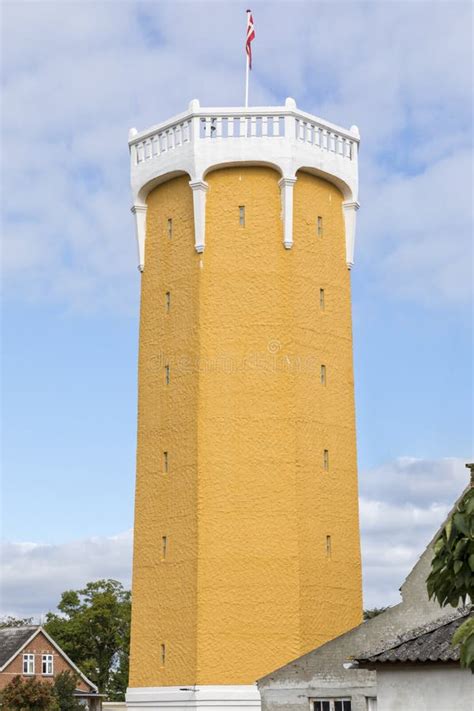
x: 77, y: 76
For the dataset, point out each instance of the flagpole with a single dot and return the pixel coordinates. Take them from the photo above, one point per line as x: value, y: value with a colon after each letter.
x: 246, y: 80
x: 247, y: 65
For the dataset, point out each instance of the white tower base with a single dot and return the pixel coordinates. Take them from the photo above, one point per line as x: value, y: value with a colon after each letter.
x: 193, y: 697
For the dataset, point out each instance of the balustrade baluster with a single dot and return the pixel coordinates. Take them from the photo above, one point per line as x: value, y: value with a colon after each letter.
x: 264, y: 126
x: 155, y: 150
x: 230, y: 126
x: 253, y: 126
x: 276, y: 125
x: 186, y: 132
x: 243, y: 127
x: 218, y: 125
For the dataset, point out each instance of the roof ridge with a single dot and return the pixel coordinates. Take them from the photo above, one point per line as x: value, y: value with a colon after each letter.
x: 418, y: 632
x: 12, y: 628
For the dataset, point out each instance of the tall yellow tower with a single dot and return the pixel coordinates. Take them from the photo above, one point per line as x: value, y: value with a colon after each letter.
x: 246, y: 517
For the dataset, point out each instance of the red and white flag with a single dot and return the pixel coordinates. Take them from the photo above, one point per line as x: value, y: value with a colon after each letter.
x: 250, y: 37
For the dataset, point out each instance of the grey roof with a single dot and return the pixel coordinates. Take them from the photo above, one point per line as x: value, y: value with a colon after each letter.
x: 431, y: 643
x: 12, y: 639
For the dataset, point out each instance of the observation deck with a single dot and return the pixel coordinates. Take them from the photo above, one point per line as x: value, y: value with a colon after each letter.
x: 283, y: 137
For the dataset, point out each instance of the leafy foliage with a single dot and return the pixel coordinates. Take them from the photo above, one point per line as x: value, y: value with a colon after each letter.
x: 28, y: 695
x: 464, y: 636
x: 65, y: 684
x: 451, y: 580
x: 10, y: 621
x: 374, y: 612
x: 35, y: 695
x: 93, y: 628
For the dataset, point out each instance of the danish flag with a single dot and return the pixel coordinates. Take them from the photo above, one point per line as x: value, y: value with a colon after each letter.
x: 250, y: 37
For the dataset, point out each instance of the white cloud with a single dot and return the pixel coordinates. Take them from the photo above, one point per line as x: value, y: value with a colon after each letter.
x: 79, y: 74
x: 402, y: 505
x: 408, y: 481
x: 34, y: 574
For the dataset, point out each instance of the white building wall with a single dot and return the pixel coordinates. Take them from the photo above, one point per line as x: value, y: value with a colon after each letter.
x: 426, y: 688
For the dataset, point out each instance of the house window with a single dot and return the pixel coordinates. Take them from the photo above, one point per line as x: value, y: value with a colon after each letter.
x: 170, y: 228
x: 326, y: 460
x: 332, y: 705
x: 164, y: 547
x: 328, y: 546
x: 168, y: 301
x: 371, y: 703
x: 47, y: 664
x: 28, y: 664
x: 163, y: 654
x: 165, y: 462
x: 319, y: 226
x: 242, y: 215
x: 323, y: 375
x: 167, y: 374
x: 321, y: 299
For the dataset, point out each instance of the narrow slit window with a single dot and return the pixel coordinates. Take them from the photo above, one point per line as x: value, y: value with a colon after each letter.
x: 323, y: 375
x: 167, y: 375
x: 168, y: 301
x: 170, y: 228
x: 163, y: 654
x: 328, y: 546
x: 322, y: 301
x: 242, y: 215
x: 164, y: 547
x: 319, y: 226
x: 165, y: 462
x: 326, y: 460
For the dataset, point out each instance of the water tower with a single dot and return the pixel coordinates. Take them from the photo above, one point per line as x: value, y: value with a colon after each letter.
x: 247, y: 547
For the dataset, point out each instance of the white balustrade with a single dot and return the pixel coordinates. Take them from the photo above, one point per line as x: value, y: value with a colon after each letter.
x: 284, y: 137
x: 243, y: 123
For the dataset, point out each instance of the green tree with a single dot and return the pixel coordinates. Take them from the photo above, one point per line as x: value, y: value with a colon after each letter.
x: 93, y: 628
x: 64, y: 686
x: 10, y: 621
x: 119, y: 676
x: 28, y: 695
x: 451, y: 580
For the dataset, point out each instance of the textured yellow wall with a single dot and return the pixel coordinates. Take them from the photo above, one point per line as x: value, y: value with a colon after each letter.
x: 164, y: 592
x: 247, y: 584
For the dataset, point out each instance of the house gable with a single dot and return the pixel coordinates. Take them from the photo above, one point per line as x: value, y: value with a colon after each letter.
x: 37, y: 642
